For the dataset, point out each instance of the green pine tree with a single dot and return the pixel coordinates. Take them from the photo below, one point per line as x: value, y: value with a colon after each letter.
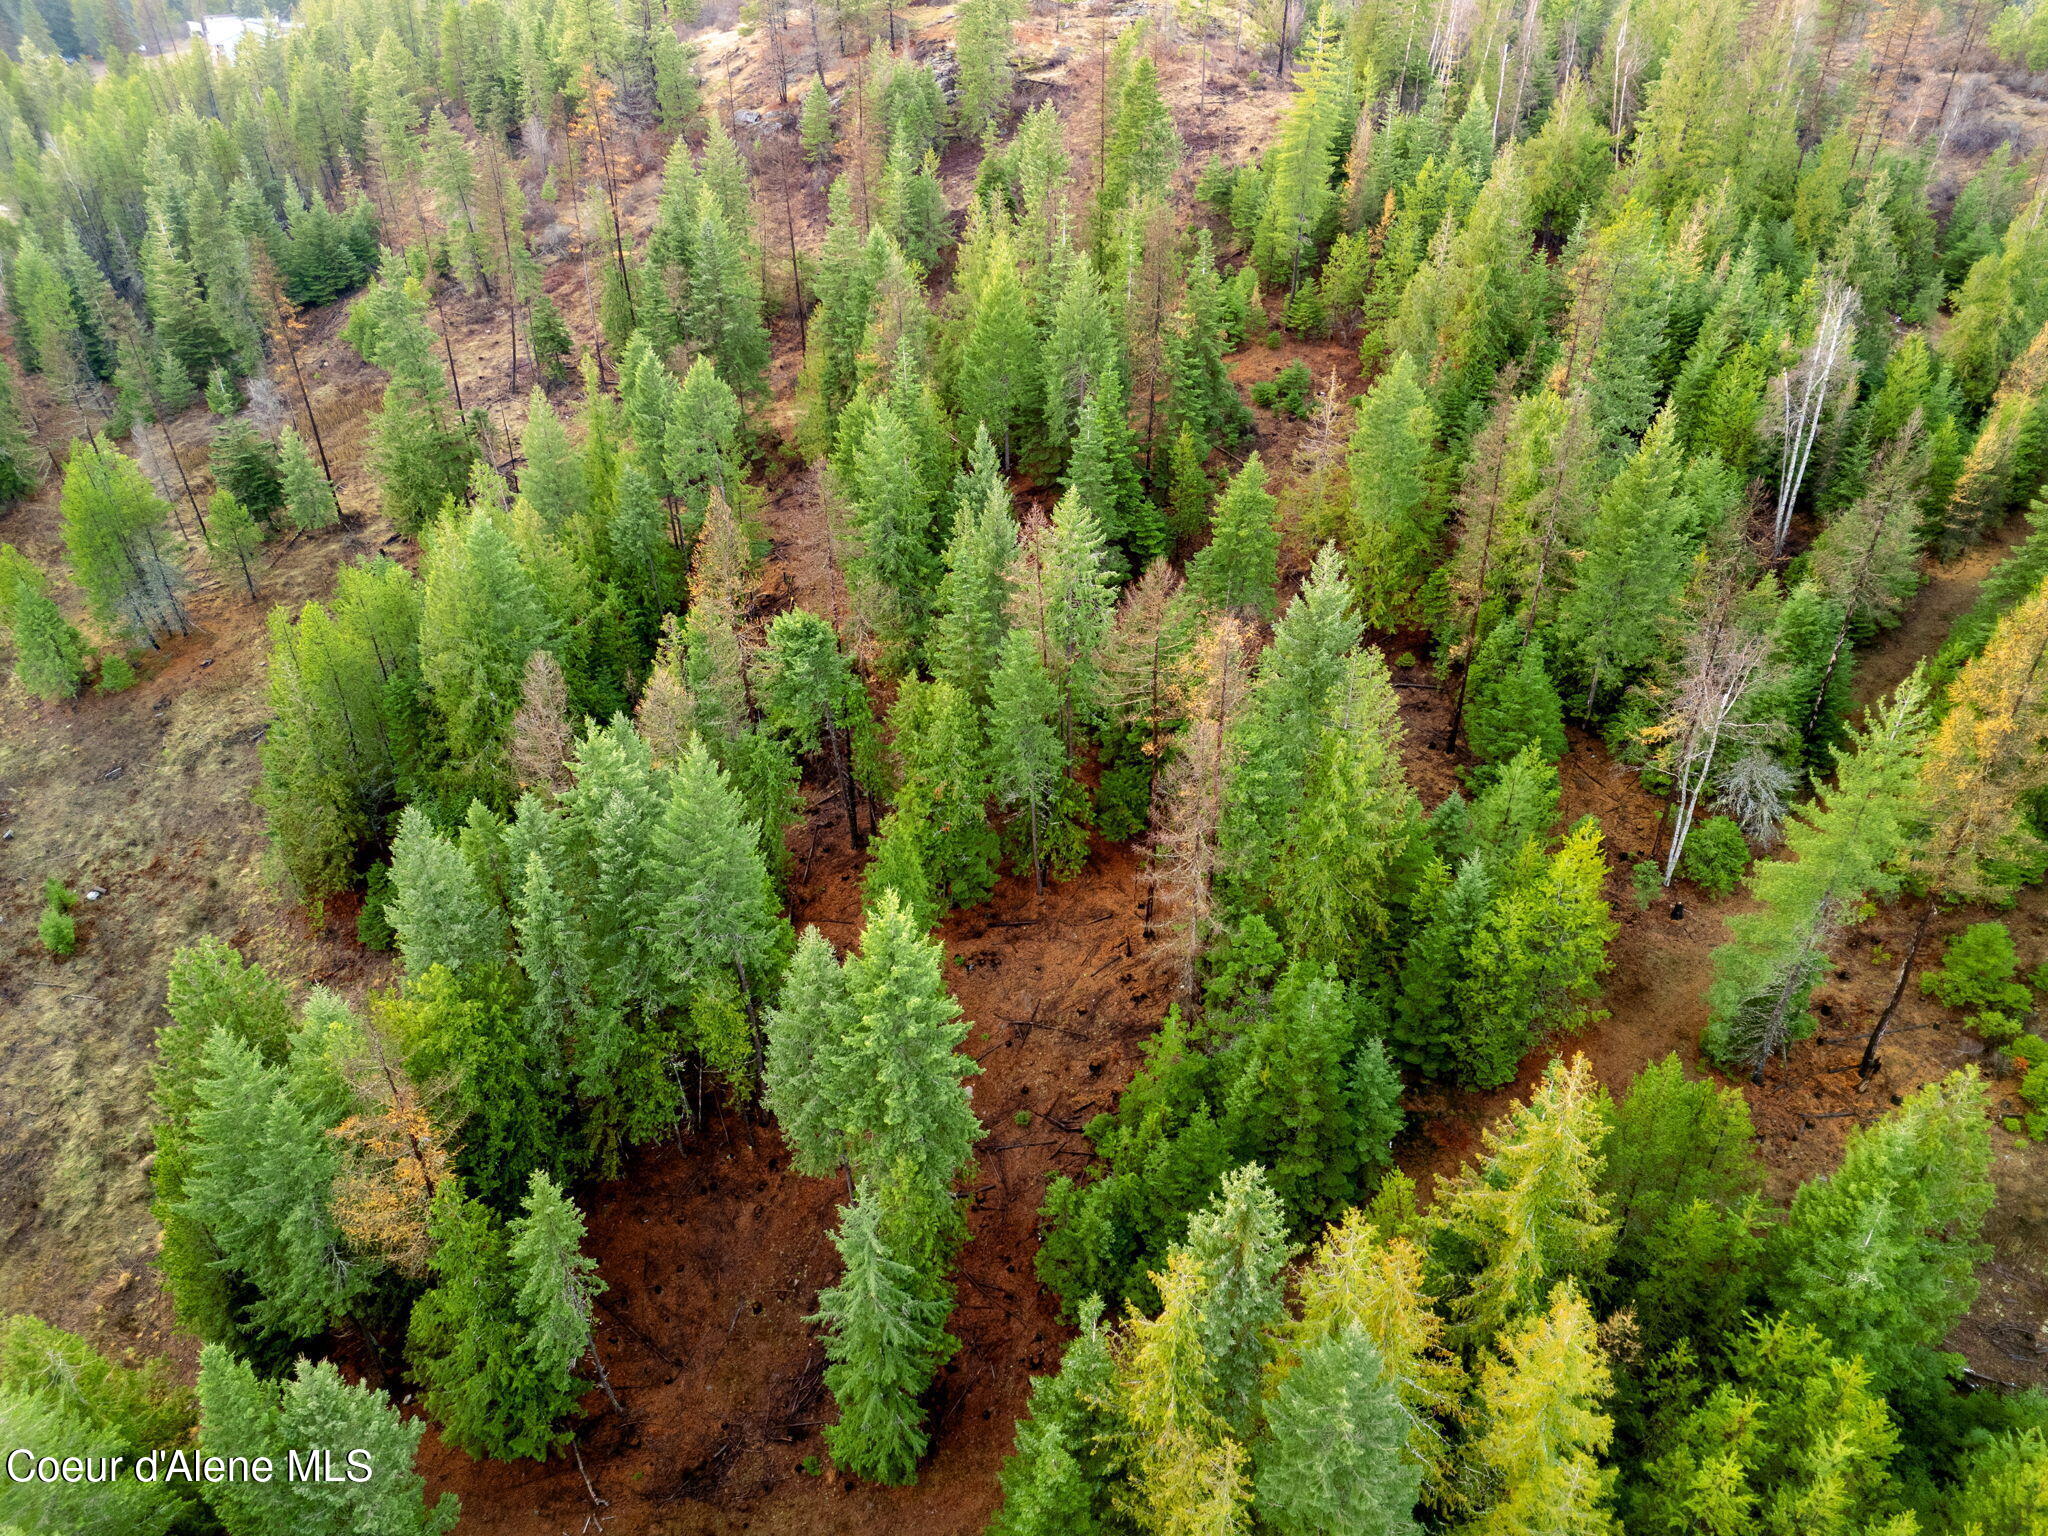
x: 1239, y: 569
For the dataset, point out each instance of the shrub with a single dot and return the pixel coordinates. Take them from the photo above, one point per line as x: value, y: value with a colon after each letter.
x: 116, y: 672
x: 1287, y: 391
x: 57, y: 928
x: 1715, y: 856
x: 2031, y: 1052
x: 1977, y: 972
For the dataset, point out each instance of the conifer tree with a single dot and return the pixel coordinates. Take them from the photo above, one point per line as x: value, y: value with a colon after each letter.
x: 894, y: 521
x: 481, y: 616
x: 1064, y: 596
x: 261, y: 1167
x: 1511, y: 701
x: 231, y: 538
x: 1143, y: 148
x: 1798, y: 1440
x: 1060, y: 1481
x: 439, y: 907
x: 971, y: 608
x: 1841, y: 846
x: 720, y: 926
x: 1542, y: 1432
x: 1530, y: 1215
x: 1334, y: 1454
x: 1673, y: 1142
x: 1027, y: 760
x: 49, y: 652
x: 554, y: 1286
x: 805, y: 684
x: 547, y: 336
x: 1981, y: 766
x: 308, y: 497
x: 1878, y: 1257
x: 814, y: 124
x: 1637, y: 559
x: 1239, y: 569
x: 1537, y: 956
x: 243, y: 1415
x: 553, y: 480
x: 804, y: 1031
x: 885, y: 1340
x: 1335, y: 878
x: 1394, y: 519
x: 113, y: 532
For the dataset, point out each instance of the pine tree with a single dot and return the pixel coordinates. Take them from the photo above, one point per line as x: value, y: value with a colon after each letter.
x: 1395, y: 519
x: 885, y: 1340
x: 1530, y: 1215
x: 308, y: 497
x: 1143, y: 148
x: 1366, y: 1275
x: 1673, y: 1142
x: 981, y: 47
x: 242, y: 1415
x: 1063, y: 602
x: 1239, y: 568
x: 725, y: 299
x: 231, y: 538
x: 1878, y: 1257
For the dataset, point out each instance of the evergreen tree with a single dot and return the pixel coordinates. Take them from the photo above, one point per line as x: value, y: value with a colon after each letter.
x: 1061, y: 1478
x: 1510, y: 699
x: 981, y: 50
x: 1027, y: 760
x: 970, y: 610
x: 440, y: 910
x: 885, y: 1339
x: 1878, y: 1257
x: 553, y: 481
x: 1334, y: 1453
x: 814, y: 125
x: 1395, y: 518
x: 49, y: 652
x: 1840, y: 846
x: 113, y: 532
x: 261, y: 1164
x: 308, y: 497
x: 481, y: 616
x: 553, y: 1288
x: 1637, y: 559
x: 804, y: 1031
x: 242, y: 1415
x: 1239, y: 568
x: 547, y: 336
x: 1537, y: 957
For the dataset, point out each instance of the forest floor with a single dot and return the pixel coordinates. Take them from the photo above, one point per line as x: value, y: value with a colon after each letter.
x: 713, y: 1251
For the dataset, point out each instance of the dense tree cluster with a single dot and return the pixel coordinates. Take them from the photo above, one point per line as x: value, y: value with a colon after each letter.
x: 1670, y: 382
